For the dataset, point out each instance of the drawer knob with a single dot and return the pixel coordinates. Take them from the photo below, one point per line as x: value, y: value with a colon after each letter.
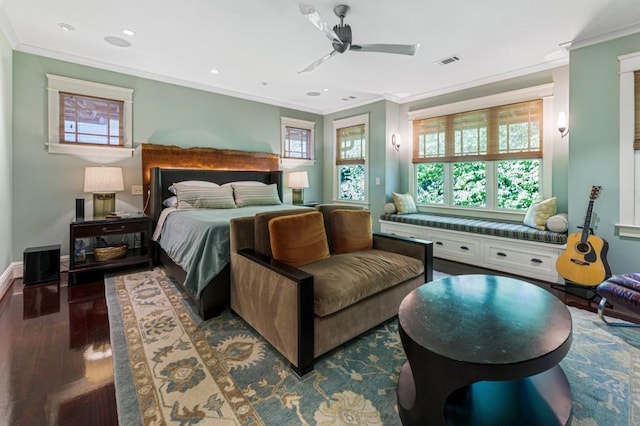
x: 535, y: 260
x: 501, y: 254
x: 465, y: 248
x: 439, y: 243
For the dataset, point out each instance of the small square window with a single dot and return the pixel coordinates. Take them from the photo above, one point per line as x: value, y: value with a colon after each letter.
x: 297, y: 141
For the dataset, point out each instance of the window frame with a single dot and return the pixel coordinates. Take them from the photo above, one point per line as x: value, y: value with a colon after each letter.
x: 357, y: 120
x: 298, y: 124
x: 629, y: 211
x: 544, y: 92
x: 97, y: 153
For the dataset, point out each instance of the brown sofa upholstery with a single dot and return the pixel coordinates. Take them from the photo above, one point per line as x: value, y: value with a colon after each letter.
x: 307, y: 311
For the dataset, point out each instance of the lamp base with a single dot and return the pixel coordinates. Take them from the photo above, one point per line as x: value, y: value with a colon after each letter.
x: 297, y: 196
x: 103, y: 204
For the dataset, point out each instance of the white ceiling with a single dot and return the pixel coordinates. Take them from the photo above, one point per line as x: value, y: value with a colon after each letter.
x: 259, y: 46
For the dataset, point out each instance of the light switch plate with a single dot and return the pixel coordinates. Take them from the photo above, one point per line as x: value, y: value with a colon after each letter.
x: 136, y: 189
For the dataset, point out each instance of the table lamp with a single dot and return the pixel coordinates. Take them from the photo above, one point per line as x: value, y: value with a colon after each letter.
x: 297, y: 182
x: 103, y: 182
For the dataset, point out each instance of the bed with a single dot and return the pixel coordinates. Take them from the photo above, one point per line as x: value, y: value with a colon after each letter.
x: 206, y: 281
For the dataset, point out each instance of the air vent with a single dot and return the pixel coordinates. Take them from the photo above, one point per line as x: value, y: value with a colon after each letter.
x: 446, y: 61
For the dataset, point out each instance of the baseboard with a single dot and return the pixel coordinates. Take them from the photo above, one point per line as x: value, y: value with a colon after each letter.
x: 14, y: 271
x: 6, y: 279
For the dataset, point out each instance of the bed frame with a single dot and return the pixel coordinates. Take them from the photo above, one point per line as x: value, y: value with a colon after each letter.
x: 215, y: 295
x: 256, y: 166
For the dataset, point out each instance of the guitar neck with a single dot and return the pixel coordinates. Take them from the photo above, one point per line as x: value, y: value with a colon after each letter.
x: 587, y: 223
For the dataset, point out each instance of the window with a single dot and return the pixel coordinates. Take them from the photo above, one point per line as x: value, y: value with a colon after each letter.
x: 297, y: 141
x: 351, y: 136
x: 487, y: 158
x: 629, y: 146
x: 91, y: 120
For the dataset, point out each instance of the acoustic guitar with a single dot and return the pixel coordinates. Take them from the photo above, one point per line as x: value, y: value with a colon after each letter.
x: 584, y: 261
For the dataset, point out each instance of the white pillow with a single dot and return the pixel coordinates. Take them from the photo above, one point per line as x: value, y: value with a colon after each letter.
x: 170, y: 202
x: 390, y: 208
x: 558, y: 223
x: 539, y: 212
x: 245, y: 183
x: 256, y: 195
x: 204, y: 197
x: 202, y: 183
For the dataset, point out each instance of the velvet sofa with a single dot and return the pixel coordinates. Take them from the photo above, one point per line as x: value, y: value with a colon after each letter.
x: 306, y: 311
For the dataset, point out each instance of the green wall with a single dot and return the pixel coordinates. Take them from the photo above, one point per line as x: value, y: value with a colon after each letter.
x: 594, y: 122
x: 6, y: 143
x: 46, y: 185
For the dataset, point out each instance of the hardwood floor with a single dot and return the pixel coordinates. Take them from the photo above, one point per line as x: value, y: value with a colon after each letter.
x: 55, y: 359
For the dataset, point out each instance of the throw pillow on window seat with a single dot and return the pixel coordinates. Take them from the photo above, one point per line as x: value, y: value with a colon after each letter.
x: 298, y: 239
x: 351, y: 231
x: 404, y: 203
x: 539, y: 212
x: 558, y: 223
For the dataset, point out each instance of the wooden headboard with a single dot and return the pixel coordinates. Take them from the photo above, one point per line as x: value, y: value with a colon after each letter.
x: 211, y: 164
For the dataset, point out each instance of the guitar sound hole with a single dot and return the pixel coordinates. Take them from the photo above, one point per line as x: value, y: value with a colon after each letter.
x: 583, y: 248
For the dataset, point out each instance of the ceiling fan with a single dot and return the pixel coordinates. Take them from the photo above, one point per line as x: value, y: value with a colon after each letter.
x: 340, y: 36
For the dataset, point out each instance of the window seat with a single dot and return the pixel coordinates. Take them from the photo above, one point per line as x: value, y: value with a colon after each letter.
x: 509, y: 247
x: 479, y: 226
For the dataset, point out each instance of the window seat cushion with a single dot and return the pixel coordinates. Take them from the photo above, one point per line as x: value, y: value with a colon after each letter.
x: 515, y: 230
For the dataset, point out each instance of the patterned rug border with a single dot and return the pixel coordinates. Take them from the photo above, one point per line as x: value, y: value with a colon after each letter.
x: 130, y: 411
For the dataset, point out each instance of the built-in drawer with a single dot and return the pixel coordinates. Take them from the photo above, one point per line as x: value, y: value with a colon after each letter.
x: 403, y: 229
x: 454, y: 246
x: 521, y: 260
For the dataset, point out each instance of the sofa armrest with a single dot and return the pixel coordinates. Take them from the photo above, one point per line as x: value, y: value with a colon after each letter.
x: 412, y: 247
x: 277, y: 301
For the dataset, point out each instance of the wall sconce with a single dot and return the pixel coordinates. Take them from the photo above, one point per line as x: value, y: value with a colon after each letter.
x: 297, y: 182
x: 562, y: 124
x: 103, y: 182
x: 395, y: 141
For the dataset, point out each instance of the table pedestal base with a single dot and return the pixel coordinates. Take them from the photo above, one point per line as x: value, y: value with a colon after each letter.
x: 542, y: 399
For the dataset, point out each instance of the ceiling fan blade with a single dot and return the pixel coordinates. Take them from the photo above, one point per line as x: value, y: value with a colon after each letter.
x: 310, y: 13
x: 401, y: 49
x: 315, y: 64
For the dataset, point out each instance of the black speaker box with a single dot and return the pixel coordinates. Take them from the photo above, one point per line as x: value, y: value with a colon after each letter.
x: 41, y: 264
x: 79, y: 208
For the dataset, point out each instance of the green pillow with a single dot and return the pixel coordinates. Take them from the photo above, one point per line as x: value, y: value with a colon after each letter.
x: 404, y: 203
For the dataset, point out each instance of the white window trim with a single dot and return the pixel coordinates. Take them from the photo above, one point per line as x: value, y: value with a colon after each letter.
x: 99, y: 154
x: 349, y: 122
x: 300, y: 124
x: 629, y: 219
x: 544, y: 91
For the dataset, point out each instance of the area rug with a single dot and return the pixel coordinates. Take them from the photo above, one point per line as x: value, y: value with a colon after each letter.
x: 172, y: 368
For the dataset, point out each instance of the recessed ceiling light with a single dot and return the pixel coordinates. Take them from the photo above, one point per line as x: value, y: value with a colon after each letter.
x: 117, y: 41
x: 313, y: 93
x: 325, y: 90
x: 66, y: 27
x: 128, y: 32
x: 214, y: 71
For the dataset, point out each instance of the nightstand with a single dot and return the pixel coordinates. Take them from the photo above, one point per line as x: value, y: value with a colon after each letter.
x: 87, y: 235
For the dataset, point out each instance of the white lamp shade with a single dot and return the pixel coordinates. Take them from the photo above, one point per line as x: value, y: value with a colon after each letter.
x: 562, y: 120
x: 103, y: 179
x: 298, y: 180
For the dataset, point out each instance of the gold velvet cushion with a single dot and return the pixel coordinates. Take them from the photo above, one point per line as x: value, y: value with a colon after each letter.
x: 539, y: 212
x: 351, y: 231
x: 404, y: 203
x: 298, y: 239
